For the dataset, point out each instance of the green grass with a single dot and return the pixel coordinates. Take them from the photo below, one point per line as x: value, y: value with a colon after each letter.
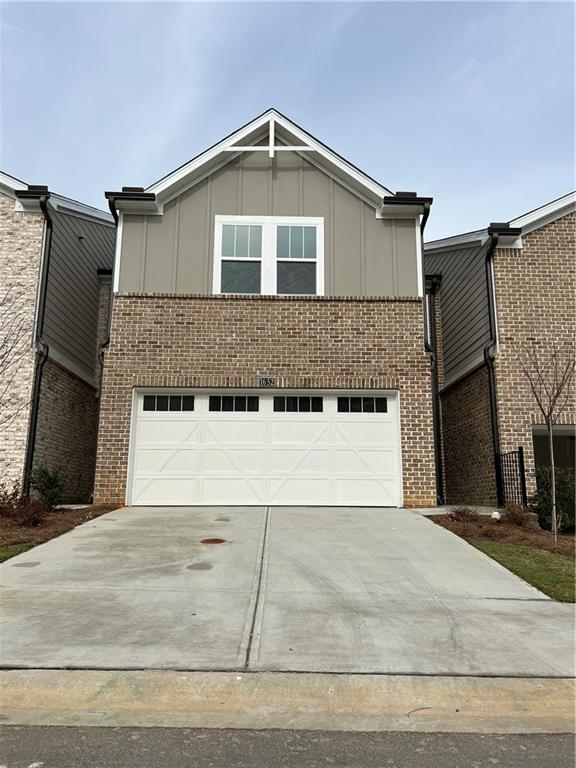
x: 15, y: 549
x: 552, y: 574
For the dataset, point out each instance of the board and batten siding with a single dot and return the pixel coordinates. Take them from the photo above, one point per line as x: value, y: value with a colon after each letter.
x: 80, y: 247
x: 363, y: 255
x: 463, y: 307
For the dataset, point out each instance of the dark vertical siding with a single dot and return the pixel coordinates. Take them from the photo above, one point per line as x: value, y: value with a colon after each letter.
x: 79, y: 248
x: 463, y: 307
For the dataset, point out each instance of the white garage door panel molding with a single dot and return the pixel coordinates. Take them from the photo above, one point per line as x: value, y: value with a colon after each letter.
x: 264, y: 457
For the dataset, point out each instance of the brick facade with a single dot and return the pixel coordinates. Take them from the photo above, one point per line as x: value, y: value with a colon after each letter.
x: 535, y: 289
x: 21, y: 237
x: 224, y: 341
x: 66, y: 432
x: 469, y: 474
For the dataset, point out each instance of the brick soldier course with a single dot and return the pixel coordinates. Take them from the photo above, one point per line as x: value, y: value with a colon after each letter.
x: 161, y: 340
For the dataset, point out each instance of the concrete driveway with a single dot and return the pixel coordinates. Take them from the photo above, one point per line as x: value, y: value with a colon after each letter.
x: 292, y: 589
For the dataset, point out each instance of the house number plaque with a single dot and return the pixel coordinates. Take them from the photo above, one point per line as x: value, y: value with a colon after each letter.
x: 267, y: 382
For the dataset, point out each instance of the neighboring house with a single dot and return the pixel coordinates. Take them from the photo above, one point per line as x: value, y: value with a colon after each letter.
x: 56, y: 258
x: 493, y: 291
x: 267, y: 339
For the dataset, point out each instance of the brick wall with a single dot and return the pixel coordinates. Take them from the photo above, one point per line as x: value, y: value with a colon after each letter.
x: 66, y: 433
x: 21, y: 237
x: 535, y: 290
x: 467, y: 434
x: 225, y: 341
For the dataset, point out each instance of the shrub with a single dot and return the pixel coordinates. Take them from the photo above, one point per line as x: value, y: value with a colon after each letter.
x: 514, y: 514
x: 22, y: 510
x: 49, y: 484
x: 464, y: 515
x: 541, y: 502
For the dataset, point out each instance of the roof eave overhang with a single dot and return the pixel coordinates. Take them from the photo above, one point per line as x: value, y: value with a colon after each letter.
x: 402, y: 205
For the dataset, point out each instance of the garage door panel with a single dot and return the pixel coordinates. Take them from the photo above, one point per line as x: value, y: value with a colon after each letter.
x: 235, y: 430
x: 235, y: 460
x: 221, y: 490
x: 367, y: 431
x: 366, y: 462
x: 267, y: 456
x: 297, y: 460
x: 377, y: 492
x: 155, y: 491
x: 302, y: 432
x: 302, y: 490
x: 173, y: 431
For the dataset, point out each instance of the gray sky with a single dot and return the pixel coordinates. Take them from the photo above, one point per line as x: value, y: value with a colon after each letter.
x: 472, y: 103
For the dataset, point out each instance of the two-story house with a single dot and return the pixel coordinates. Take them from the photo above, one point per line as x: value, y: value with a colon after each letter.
x: 496, y: 291
x: 56, y: 257
x: 268, y: 339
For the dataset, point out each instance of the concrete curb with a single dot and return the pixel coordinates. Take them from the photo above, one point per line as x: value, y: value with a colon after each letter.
x: 287, y: 701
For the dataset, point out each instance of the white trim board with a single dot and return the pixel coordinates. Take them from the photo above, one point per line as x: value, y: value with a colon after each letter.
x: 273, y: 120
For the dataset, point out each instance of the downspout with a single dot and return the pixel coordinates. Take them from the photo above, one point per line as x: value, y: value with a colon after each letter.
x: 104, y: 345
x: 39, y: 342
x: 489, y: 351
x: 431, y: 350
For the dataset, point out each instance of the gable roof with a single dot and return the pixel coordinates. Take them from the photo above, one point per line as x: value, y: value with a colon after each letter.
x: 270, y: 132
x: 527, y: 222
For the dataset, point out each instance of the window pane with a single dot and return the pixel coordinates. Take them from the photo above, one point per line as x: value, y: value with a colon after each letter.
x: 227, y: 403
x: 215, y: 403
x: 228, y: 241
x: 309, y: 242
x: 241, y: 241
x: 296, y: 278
x: 240, y: 277
x: 368, y: 404
x: 356, y: 404
x: 162, y: 403
x: 343, y: 404
x: 252, y: 403
x: 304, y: 404
x: 381, y: 405
x: 149, y: 402
x: 279, y: 404
x: 240, y: 403
x: 283, y: 242
x: 188, y: 403
x: 255, y: 250
x: 296, y: 242
x: 317, y: 404
x: 175, y: 402
x: 292, y: 404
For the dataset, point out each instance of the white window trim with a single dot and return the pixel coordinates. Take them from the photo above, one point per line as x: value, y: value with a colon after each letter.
x: 268, y: 259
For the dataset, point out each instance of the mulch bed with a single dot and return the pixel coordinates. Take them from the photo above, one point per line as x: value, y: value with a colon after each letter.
x: 498, y: 530
x: 57, y: 522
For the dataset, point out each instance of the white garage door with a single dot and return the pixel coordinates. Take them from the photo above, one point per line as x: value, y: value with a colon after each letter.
x: 251, y: 448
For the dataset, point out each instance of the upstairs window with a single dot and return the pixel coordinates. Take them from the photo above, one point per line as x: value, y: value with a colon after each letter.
x: 269, y: 255
x: 241, y: 258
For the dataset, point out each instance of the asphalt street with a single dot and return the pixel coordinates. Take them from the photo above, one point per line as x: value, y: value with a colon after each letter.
x: 94, y: 747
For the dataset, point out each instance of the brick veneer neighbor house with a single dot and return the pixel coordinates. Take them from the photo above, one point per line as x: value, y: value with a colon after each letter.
x: 530, y: 283
x: 55, y: 255
x: 267, y: 338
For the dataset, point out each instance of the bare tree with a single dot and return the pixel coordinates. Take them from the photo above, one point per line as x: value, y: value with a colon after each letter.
x: 15, y: 344
x: 549, y: 370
